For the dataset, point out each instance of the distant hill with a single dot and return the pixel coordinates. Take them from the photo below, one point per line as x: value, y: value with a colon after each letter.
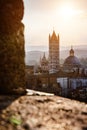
x: 78, y: 53
x: 33, y: 57
x: 36, y: 48
x: 29, y: 47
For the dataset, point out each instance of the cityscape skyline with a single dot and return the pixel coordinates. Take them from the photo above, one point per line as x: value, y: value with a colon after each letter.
x: 68, y: 18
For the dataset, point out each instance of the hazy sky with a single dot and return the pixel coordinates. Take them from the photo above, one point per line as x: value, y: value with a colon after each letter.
x: 67, y: 17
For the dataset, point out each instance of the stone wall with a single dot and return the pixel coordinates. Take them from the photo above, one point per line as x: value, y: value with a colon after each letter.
x: 43, y: 112
x: 12, y: 66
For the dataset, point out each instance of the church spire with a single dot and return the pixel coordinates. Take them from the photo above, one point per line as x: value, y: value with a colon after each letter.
x: 53, y: 37
x: 44, y: 55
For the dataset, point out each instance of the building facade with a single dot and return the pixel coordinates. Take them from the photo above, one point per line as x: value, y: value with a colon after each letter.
x: 73, y: 87
x: 53, y: 53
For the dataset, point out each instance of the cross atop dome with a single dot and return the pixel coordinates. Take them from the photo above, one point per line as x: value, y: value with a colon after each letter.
x: 72, y: 51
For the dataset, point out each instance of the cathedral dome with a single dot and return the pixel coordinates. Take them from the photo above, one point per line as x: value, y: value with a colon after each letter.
x: 72, y: 60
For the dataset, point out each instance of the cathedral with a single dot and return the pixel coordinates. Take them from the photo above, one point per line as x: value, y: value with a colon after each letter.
x: 52, y: 64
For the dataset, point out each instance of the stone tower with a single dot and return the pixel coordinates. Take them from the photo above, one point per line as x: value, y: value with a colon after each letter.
x: 12, y: 66
x: 53, y: 53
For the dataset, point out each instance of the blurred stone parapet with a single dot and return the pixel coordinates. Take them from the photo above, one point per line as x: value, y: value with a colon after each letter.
x: 12, y: 66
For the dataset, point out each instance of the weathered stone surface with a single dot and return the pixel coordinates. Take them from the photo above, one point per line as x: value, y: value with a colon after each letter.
x: 12, y: 69
x: 11, y: 14
x: 43, y: 113
x: 12, y: 66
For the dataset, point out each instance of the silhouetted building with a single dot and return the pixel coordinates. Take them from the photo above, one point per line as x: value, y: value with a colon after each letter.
x: 73, y: 87
x: 30, y: 69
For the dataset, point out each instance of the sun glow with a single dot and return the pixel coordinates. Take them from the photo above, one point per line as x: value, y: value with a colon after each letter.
x: 67, y: 12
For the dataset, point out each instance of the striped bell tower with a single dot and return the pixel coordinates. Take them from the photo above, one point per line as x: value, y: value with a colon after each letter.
x: 53, y: 52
